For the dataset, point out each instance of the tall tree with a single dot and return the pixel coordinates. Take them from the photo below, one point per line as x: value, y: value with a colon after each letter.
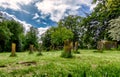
x: 59, y: 35
x: 97, y: 22
x: 4, y: 35
x: 54, y: 37
x: 17, y: 30
x: 46, y: 39
x: 115, y: 29
x: 72, y: 22
x: 32, y: 38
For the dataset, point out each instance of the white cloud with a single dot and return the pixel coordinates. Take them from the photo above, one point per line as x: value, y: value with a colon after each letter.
x: 35, y: 16
x: 57, y: 8
x: 13, y: 4
x: 45, y: 23
x: 42, y: 30
x: 26, y: 25
x: 43, y: 16
x: 92, y: 6
x: 38, y: 21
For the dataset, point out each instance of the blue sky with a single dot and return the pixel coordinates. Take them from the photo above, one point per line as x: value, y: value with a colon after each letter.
x: 44, y: 13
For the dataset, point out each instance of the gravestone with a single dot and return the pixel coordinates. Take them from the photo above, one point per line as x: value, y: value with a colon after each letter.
x: 31, y: 48
x: 13, y: 50
x: 107, y: 45
x: 67, y: 49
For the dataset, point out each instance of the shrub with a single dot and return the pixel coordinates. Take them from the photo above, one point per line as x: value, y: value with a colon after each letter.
x: 39, y: 51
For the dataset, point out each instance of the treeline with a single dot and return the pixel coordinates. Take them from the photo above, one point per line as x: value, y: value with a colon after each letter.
x: 12, y: 31
x: 102, y: 24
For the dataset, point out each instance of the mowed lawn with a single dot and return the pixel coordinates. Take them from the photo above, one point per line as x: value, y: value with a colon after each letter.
x: 86, y: 64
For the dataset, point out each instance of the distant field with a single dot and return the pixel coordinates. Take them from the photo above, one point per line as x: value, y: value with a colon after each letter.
x: 85, y: 64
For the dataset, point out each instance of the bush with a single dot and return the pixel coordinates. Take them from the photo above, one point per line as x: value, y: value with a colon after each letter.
x: 66, y: 54
x: 118, y: 48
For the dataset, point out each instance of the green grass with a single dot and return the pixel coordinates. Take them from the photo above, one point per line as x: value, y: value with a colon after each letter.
x: 50, y: 64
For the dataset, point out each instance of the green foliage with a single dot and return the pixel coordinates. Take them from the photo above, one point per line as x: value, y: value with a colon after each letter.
x: 60, y: 34
x: 97, y: 23
x: 17, y: 30
x: 4, y: 35
x: 115, y: 29
x: 118, y: 47
x: 40, y: 49
x: 72, y: 23
x: 54, y: 37
x: 39, y: 54
x: 10, y: 31
x: 31, y: 38
x: 66, y: 54
x: 13, y: 55
x: 46, y: 40
x: 4, y: 31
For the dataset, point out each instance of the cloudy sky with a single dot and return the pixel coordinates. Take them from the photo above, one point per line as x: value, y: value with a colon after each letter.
x: 43, y: 13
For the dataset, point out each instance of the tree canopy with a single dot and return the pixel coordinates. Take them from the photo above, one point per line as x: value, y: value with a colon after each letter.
x: 54, y: 37
x: 115, y: 29
x: 60, y: 34
x: 32, y: 38
x: 101, y: 24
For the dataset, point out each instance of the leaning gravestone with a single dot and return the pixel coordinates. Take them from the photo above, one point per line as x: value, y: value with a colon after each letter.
x: 13, y: 50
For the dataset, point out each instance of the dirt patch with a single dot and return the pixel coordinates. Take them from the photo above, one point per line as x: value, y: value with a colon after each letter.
x: 3, y: 66
x: 28, y: 63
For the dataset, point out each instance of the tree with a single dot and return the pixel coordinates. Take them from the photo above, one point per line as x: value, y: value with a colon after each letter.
x: 72, y: 22
x: 46, y: 39
x: 115, y: 29
x: 96, y: 23
x: 54, y: 37
x: 59, y: 35
x: 17, y: 30
x: 4, y: 35
x: 32, y: 38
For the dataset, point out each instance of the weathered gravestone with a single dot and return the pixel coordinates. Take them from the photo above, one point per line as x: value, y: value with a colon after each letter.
x: 31, y: 49
x: 76, y: 47
x: 67, y: 49
x: 13, y: 50
x: 107, y: 45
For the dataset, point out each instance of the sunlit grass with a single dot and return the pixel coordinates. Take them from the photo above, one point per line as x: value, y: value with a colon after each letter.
x: 50, y: 64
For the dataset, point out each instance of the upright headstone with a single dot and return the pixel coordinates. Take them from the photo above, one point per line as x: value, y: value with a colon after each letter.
x: 76, y: 47
x: 13, y: 50
x: 67, y: 49
x: 31, y: 48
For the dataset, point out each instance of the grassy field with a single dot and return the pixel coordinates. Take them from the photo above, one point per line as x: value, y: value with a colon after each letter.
x: 85, y: 64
